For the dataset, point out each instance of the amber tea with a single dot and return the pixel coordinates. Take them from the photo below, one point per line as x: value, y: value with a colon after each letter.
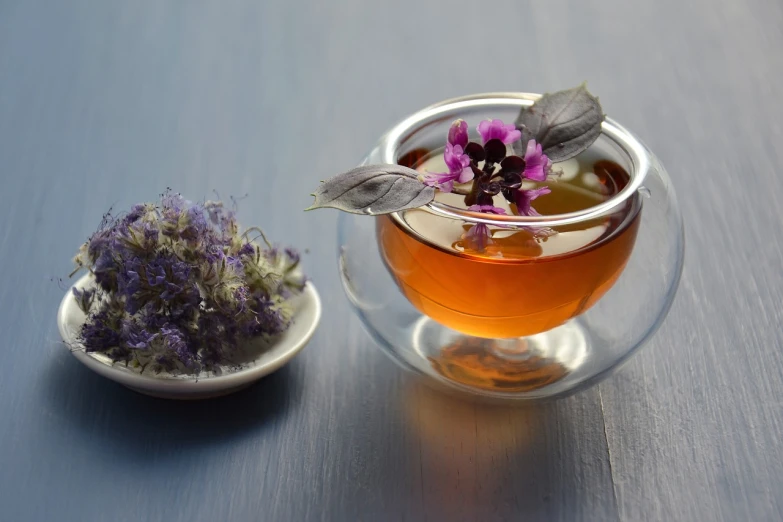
x: 528, y: 283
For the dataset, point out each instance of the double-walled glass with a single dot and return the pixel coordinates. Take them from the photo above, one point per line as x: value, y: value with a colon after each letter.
x: 515, y: 326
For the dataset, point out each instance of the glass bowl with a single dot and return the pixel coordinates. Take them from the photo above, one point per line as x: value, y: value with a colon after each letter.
x: 534, y: 328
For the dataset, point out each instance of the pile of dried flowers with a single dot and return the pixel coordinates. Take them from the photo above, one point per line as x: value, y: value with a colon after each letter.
x: 179, y: 289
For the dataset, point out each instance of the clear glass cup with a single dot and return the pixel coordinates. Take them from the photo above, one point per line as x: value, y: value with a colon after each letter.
x: 536, y: 328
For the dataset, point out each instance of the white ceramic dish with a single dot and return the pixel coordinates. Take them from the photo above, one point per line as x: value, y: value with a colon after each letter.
x: 307, y: 314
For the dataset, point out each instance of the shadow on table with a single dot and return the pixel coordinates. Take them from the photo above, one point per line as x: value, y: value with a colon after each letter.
x: 545, y: 460
x: 103, y: 409
x: 427, y: 454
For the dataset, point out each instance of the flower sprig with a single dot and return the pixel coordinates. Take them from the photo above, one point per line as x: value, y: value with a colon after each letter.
x: 179, y: 289
x: 490, y: 167
x: 492, y: 171
x: 556, y: 127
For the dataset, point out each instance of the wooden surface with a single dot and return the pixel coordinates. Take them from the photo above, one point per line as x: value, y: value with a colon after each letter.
x: 108, y: 102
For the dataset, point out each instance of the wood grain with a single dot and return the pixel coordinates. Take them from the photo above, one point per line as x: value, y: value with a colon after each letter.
x: 107, y: 103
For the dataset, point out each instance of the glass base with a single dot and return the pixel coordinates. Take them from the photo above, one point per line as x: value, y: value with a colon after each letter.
x: 501, y: 367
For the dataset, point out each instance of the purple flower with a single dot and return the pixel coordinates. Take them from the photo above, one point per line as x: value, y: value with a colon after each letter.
x: 458, y: 133
x: 175, y: 341
x: 150, y: 235
x: 523, y: 199
x: 84, y: 298
x: 247, y: 250
x: 99, y: 242
x: 459, y: 169
x: 197, y: 223
x: 97, y: 334
x: 497, y: 130
x: 173, y: 202
x: 184, y: 297
x: 537, y: 164
x: 180, y: 271
x: 105, y: 270
x: 458, y: 162
x: 128, y: 285
x: 179, y: 280
x: 241, y: 295
x: 234, y: 263
x: 136, y: 212
x: 156, y: 274
x: 136, y: 337
x: 267, y: 319
x: 443, y: 181
x: 128, y: 281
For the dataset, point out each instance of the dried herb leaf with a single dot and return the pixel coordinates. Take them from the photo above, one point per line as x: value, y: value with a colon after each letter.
x: 565, y: 123
x: 374, y: 189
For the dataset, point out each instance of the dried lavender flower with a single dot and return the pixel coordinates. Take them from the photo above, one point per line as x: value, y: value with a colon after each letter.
x: 178, y: 289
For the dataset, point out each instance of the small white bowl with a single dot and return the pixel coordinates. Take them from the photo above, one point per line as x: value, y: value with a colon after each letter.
x: 307, y: 313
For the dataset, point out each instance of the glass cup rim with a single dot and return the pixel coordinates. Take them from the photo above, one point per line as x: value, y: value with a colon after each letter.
x: 641, y: 160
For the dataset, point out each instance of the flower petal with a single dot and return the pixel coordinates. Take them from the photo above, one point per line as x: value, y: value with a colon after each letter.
x: 536, y: 163
x: 441, y: 180
x: 496, y: 129
x: 524, y: 198
x: 466, y: 175
x: 458, y: 133
x: 512, y: 134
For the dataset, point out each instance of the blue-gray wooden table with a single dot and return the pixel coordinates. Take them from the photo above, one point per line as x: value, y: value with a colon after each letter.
x: 106, y: 103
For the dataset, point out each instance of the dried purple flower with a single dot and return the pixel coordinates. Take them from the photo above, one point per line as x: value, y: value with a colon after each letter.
x: 248, y: 249
x: 84, y: 299
x: 179, y: 289
x: 135, y: 336
x: 175, y: 341
x: 101, y: 332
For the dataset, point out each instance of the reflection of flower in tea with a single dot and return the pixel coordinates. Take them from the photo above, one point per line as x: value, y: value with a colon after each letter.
x: 478, y: 237
x: 523, y: 199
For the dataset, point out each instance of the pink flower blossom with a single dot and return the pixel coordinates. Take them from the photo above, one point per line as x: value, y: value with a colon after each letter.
x: 537, y: 164
x: 497, y: 130
x: 459, y: 169
x: 458, y: 133
x: 523, y: 199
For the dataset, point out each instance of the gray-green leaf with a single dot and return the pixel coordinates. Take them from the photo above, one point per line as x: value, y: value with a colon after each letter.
x: 374, y: 189
x: 565, y: 123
